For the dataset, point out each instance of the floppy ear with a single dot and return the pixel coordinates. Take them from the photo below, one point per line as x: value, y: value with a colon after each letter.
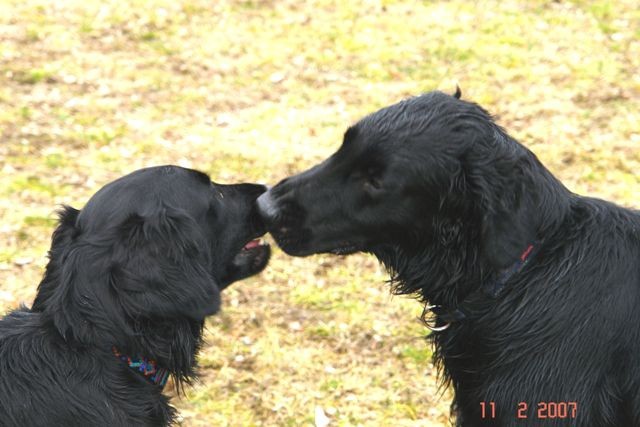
x: 153, y: 266
x: 63, y: 235
x: 508, y: 226
x: 161, y: 266
x: 506, y: 197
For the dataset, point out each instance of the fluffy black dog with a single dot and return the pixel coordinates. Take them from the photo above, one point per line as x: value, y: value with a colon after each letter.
x: 533, y: 291
x: 131, y: 278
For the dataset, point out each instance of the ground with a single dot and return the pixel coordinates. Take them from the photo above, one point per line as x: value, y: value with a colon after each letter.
x: 257, y: 90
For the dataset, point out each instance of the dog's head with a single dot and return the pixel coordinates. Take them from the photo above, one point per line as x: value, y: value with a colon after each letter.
x: 410, y: 174
x: 159, y: 243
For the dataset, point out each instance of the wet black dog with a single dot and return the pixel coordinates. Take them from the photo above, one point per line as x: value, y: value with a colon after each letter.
x: 536, y: 290
x: 131, y: 278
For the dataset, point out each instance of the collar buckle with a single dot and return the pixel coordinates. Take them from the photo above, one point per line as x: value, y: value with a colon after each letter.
x: 430, y: 317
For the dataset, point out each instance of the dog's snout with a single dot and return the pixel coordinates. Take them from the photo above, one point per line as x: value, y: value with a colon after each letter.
x: 267, y: 206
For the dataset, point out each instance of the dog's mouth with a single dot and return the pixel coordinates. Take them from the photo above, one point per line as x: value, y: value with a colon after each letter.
x: 256, y: 253
x: 250, y: 260
x: 253, y: 256
x: 301, y: 243
x: 344, y: 248
x: 255, y: 243
x: 293, y: 241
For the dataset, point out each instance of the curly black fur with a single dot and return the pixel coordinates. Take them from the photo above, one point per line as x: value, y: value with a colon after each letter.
x: 446, y: 199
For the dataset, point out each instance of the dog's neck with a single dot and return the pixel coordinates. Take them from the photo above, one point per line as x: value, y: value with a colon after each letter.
x: 147, y: 368
x: 441, y: 274
x: 437, y: 270
x: 172, y: 343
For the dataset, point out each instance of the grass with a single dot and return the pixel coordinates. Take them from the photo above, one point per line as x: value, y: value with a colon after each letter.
x: 257, y: 90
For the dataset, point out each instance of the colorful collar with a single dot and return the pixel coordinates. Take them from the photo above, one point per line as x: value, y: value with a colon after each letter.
x: 445, y: 317
x: 146, y: 367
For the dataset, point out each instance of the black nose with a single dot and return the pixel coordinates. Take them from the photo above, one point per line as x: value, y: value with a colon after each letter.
x: 267, y: 206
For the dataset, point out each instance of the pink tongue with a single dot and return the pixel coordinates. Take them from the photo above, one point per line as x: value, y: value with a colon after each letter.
x: 252, y: 244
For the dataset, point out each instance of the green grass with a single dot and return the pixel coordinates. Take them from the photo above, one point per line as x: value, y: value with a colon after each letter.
x: 258, y: 90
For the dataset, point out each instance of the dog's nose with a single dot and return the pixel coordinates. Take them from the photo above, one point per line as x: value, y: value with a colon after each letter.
x: 267, y: 206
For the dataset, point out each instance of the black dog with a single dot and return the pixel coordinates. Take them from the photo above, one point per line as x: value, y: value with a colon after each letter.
x: 131, y: 278
x: 534, y: 291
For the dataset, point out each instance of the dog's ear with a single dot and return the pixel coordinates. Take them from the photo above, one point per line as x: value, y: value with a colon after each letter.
x: 458, y: 93
x: 62, y: 237
x: 154, y: 265
x: 507, y: 206
x: 508, y: 226
x: 162, y: 266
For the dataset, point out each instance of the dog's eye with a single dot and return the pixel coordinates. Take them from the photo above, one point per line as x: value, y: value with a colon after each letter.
x: 373, y: 182
x: 372, y: 179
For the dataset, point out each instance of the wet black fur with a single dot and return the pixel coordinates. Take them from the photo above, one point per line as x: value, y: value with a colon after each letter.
x: 445, y: 198
x: 139, y: 268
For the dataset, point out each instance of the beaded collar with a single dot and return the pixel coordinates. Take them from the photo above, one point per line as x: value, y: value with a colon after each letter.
x: 146, y: 367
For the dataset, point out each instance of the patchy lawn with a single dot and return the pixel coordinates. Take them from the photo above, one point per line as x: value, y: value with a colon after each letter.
x: 257, y: 90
